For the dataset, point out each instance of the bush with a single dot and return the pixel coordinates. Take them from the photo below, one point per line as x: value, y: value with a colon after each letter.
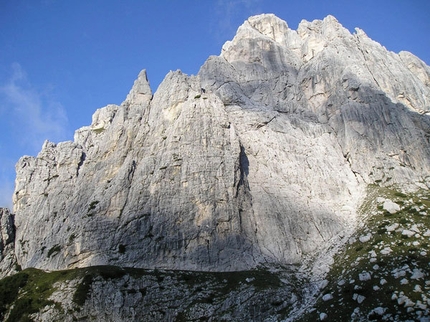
x: 9, y: 289
x: 81, y: 293
x: 54, y: 249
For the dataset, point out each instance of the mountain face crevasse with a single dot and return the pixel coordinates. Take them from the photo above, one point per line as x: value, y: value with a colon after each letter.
x: 261, y: 158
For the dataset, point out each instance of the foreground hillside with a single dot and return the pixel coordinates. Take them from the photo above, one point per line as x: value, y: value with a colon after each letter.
x: 382, y: 273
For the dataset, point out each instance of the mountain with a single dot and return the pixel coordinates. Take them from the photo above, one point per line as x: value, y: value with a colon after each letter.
x: 281, y: 154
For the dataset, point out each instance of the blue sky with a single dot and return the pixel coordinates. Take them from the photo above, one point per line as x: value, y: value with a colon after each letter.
x: 60, y: 60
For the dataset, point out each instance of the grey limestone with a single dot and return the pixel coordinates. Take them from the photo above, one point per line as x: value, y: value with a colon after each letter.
x: 263, y: 157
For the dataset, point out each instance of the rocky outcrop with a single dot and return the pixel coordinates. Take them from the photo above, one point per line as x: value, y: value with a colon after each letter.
x: 116, y: 294
x: 262, y: 158
x: 8, y: 263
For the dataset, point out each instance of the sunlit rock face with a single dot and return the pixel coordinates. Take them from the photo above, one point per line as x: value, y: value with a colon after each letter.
x: 263, y: 157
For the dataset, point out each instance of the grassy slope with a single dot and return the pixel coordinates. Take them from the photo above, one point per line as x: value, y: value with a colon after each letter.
x: 383, y: 273
x: 29, y: 291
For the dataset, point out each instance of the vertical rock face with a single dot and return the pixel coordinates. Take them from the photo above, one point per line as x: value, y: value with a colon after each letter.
x: 263, y: 157
x: 7, y: 243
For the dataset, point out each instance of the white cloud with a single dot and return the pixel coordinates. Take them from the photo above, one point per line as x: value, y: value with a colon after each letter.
x: 7, y: 179
x: 231, y: 13
x: 33, y: 115
x: 6, y: 191
x: 28, y: 117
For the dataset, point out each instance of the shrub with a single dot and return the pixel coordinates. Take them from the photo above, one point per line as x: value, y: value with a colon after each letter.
x: 54, y: 249
x: 9, y: 288
x: 81, y: 293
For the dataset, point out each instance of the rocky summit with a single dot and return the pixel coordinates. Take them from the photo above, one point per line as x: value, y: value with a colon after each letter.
x: 234, y: 194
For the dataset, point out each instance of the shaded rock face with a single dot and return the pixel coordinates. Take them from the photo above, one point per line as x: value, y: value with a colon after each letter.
x: 104, y: 294
x: 263, y: 157
x: 7, y: 243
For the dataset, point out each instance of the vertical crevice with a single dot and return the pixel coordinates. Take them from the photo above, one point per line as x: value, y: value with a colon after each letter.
x: 244, y: 170
x: 243, y: 195
x: 81, y: 162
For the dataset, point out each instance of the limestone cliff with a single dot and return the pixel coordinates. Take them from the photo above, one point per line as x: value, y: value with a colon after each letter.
x: 8, y: 264
x: 261, y: 158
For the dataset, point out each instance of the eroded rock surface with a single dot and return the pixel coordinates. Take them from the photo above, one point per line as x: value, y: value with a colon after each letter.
x: 263, y: 157
x: 8, y: 263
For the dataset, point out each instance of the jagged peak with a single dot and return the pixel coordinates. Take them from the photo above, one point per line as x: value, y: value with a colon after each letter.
x: 269, y: 25
x: 264, y: 26
x: 141, y: 90
x: 331, y: 19
x: 329, y: 28
x: 274, y: 27
x: 266, y: 17
x: 303, y: 44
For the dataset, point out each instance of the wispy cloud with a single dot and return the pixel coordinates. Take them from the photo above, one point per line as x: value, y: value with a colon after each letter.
x: 28, y: 116
x: 33, y: 115
x: 231, y: 13
x: 6, y: 183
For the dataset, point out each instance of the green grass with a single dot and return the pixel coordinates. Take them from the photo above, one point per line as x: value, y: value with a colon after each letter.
x: 9, y: 289
x: 28, y: 291
x: 406, y: 255
x: 83, y: 289
x: 91, y: 207
x: 53, y: 250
